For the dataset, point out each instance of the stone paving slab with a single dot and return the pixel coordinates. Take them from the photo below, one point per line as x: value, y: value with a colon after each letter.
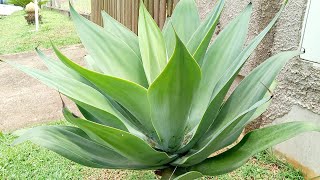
x: 24, y: 101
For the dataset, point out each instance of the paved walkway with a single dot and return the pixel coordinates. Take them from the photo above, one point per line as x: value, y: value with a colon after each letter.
x: 6, y: 10
x: 24, y: 101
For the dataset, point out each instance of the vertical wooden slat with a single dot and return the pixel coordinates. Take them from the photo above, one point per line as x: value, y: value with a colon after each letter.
x: 129, y: 14
x: 121, y: 11
x: 156, y: 8
x: 175, y: 2
x: 136, y: 15
x: 96, y: 7
x: 169, y: 7
x: 106, y: 8
x: 115, y: 8
x: 146, y: 3
x: 162, y: 13
x: 126, y: 11
x: 118, y: 10
x: 150, y: 7
x: 133, y: 15
x: 111, y: 10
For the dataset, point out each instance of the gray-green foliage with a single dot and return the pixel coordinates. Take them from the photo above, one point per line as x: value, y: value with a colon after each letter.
x: 156, y: 100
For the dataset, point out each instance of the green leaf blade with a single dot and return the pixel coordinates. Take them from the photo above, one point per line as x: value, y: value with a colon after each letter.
x: 251, y: 144
x: 130, y: 95
x: 215, y: 63
x: 184, y: 13
x: 124, y: 143
x: 170, y: 97
x: 126, y: 35
x: 199, y: 41
x: 74, y: 144
x: 152, y: 45
x: 236, y: 113
x: 109, y: 52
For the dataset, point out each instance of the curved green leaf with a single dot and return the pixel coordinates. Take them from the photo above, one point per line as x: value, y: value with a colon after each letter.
x: 122, y: 32
x: 236, y: 112
x: 109, y: 52
x: 59, y: 68
x: 99, y: 116
x: 185, y: 19
x: 152, y: 45
x: 252, y: 89
x: 251, y: 144
x: 201, y: 38
x: 220, y: 56
x: 264, y: 107
x: 238, y: 63
x: 186, y: 11
x: 74, y: 144
x: 213, y: 143
x: 170, y: 97
x: 189, y: 176
x: 121, y: 142
x: 130, y: 95
x: 78, y: 92
x: 91, y: 64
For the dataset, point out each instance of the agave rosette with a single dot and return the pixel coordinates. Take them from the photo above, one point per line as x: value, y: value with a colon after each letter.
x: 157, y: 100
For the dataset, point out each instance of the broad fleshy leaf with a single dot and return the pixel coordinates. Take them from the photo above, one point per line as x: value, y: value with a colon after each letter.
x: 74, y: 144
x: 130, y: 95
x: 185, y: 12
x: 91, y: 64
x: 189, y: 175
x: 170, y: 97
x: 215, y: 63
x: 231, y: 120
x: 57, y: 67
x: 122, y: 32
x: 75, y: 90
x: 199, y: 152
x: 198, y: 43
x: 238, y: 63
x: 108, y: 51
x: 251, y: 144
x: 122, y: 142
x: 152, y: 45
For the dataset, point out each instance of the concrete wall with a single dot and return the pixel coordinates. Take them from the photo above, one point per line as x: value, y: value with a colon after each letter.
x: 298, y: 83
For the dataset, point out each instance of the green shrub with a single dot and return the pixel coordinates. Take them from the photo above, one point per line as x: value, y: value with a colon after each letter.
x: 156, y: 101
x: 23, y: 3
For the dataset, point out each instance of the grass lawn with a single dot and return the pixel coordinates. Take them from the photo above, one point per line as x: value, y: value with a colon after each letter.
x: 29, y: 161
x: 17, y: 36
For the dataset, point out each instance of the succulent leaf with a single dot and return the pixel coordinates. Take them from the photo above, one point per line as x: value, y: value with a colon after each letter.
x: 122, y: 32
x: 130, y: 95
x: 158, y: 100
x: 236, y: 113
x: 251, y: 144
x: 74, y: 144
x: 121, y: 142
x: 152, y: 45
x: 170, y: 97
x: 185, y: 12
x: 113, y: 56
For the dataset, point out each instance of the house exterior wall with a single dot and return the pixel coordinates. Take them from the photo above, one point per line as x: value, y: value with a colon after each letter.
x: 298, y: 90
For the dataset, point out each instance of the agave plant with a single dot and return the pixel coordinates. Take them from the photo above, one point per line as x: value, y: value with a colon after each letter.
x: 158, y: 100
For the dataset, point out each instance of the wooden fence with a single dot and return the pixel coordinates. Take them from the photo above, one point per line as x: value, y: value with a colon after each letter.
x: 126, y: 11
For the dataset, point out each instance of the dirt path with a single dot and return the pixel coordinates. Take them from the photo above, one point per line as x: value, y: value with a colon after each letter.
x: 25, y: 101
